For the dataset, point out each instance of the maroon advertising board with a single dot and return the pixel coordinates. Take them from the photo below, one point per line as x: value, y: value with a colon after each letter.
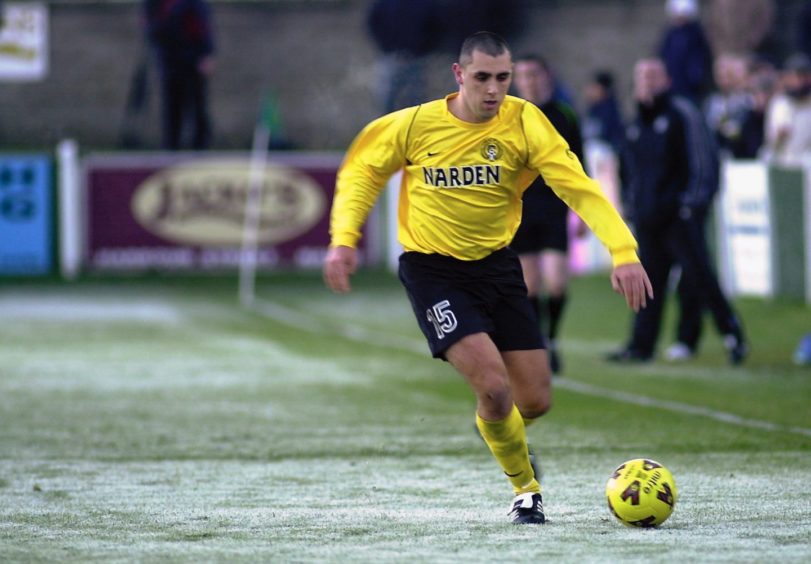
x: 187, y: 212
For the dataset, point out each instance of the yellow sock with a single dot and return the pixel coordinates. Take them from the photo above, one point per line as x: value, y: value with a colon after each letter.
x: 507, y: 440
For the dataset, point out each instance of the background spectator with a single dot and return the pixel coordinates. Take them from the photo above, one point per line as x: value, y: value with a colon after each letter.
x: 762, y: 85
x: 726, y: 107
x: 603, y: 120
x: 804, y: 30
x: 461, y: 18
x: 685, y: 50
x: 802, y: 356
x: 404, y: 33
x: 740, y: 26
x: 180, y: 33
x: 788, y: 117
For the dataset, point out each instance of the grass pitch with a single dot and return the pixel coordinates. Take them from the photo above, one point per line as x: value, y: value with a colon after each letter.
x: 155, y: 420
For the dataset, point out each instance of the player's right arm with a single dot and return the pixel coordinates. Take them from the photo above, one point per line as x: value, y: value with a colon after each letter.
x: 376, y: 153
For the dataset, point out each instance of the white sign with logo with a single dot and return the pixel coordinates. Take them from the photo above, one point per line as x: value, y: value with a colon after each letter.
x: 24, y: 42
x: 745, y: 230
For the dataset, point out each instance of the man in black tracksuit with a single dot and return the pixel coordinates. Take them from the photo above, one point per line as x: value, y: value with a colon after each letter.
x: 671, y: 169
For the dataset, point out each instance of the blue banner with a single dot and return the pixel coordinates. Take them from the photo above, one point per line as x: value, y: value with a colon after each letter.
x: 26, y: 215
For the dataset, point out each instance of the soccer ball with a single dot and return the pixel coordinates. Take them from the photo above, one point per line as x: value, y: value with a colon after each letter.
x: 641, y: 493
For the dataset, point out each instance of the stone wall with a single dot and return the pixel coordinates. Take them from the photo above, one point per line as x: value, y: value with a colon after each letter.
x: 313, y: 56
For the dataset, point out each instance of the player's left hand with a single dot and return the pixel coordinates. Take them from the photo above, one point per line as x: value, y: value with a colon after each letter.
x: 633, y: 283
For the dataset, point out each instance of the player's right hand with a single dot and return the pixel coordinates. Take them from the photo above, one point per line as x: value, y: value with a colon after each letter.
x: 341, y: 262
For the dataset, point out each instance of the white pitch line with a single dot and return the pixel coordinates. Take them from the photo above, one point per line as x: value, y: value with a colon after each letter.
x: 678, y: 407
x: 287, y: 316
x: 304, y: 322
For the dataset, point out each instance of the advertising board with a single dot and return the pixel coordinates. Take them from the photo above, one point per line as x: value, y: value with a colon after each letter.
x: 187, y: 211
x: 26, y: 215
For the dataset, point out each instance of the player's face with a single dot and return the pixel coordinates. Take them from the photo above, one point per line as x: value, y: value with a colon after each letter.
x: 483, y: 84
x: 650, y: 80
x: 532, y: 81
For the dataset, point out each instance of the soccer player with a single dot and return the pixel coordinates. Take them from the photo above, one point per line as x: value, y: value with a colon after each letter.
x: 542, y: 239
x: 466, y: 159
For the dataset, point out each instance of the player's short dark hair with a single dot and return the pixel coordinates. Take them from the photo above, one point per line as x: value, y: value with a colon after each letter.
x: 487, y: 42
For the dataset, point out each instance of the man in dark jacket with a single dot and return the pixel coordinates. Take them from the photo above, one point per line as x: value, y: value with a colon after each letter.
x: 180, y: 34
x: 671, y: 167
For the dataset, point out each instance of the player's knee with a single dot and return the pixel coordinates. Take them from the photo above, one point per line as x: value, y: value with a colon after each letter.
x: 535, y: 408
x: 495, y: 396
x: 556, y: 288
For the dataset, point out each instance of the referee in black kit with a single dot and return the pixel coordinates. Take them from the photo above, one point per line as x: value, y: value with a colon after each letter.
x: 542, y: 239
x: 671, y: 169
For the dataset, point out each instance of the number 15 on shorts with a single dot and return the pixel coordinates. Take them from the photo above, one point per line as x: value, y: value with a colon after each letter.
x: 443, y: 319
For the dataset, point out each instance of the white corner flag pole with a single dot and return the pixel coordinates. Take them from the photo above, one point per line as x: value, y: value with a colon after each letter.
x: 70, y: 210
x: 248, y: 257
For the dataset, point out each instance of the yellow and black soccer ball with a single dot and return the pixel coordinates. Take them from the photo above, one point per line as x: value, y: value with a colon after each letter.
x: 641, y: 493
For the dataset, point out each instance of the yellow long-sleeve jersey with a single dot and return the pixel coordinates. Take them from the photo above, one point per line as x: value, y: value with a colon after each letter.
x: 462, y: 182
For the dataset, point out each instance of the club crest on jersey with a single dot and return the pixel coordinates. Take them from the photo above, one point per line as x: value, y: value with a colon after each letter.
x: 491, y: 149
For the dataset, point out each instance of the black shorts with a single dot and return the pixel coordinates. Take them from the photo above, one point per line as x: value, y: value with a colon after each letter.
x: 454, y: 298
x: 544, y: 222
x: 537, y: 234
